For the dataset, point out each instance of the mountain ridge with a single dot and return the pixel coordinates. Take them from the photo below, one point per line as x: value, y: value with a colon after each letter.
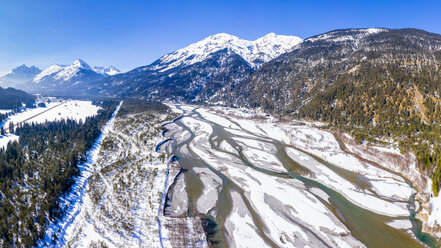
x: 314, y: 57
x: 19, y: 75
x: 198, y: 70
x: 49, y: 79
x: 254, y: 52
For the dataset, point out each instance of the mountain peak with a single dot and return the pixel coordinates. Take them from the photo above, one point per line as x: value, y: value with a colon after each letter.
x: 280, y: 43
x: 221, y: 36
x: 79, y: 63
x: 55, y: 68
x: 254, y: 52
x: 269, y: 35
x: 22, y: 66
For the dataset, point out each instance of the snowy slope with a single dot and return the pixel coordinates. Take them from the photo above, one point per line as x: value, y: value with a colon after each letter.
x: 70, y: 71
x: 207, y: 68
x: 53, y: 69
x: 254, y: 52
x: 357, y: 34
x: 68, y: 79
x: 54, y: 111
x: 5, y: 139
x: 74, y: 199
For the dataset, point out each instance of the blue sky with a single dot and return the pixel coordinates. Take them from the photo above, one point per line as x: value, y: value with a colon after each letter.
x: 128, y: 33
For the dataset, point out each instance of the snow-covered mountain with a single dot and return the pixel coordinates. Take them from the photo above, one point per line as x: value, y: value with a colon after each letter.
x: 200, y: 70
x: 69, y: 72
x: 254, y: 52
x: 61, y: 79
x: 19, y: 76
x: 107, y: 70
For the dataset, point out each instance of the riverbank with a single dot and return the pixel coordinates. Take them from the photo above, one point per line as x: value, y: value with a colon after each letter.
x: 428, y: 211
x: 428, y: 208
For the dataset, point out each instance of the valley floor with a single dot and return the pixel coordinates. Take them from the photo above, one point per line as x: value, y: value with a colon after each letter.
x: 117, y: 200
x: 232, y: 178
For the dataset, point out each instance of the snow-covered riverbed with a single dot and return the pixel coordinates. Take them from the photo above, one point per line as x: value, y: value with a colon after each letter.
x: 285, y: 185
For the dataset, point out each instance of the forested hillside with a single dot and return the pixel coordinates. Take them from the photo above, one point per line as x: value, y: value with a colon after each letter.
x: 11, y: 98
x: 376, y: 83
x: 37, y: 170
x: 131, y: 106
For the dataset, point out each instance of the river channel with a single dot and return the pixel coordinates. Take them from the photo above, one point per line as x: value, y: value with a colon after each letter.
x: 259, y: 189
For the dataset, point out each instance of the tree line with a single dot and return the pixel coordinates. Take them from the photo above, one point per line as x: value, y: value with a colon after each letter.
x: 38, y: 169
x: 381, y: 101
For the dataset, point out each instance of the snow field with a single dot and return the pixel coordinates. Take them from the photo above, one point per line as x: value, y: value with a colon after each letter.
x: 5, y: 139
x: 55, y: 111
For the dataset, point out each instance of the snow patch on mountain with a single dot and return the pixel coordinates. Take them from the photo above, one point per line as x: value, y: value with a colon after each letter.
x: 70, y: 71
x: 106, y: 70
x: 254, y: 52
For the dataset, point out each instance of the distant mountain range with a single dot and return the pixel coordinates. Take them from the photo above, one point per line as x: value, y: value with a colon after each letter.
x: 200, y: 71
x: 56, y: 79
x: 18, y: 76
